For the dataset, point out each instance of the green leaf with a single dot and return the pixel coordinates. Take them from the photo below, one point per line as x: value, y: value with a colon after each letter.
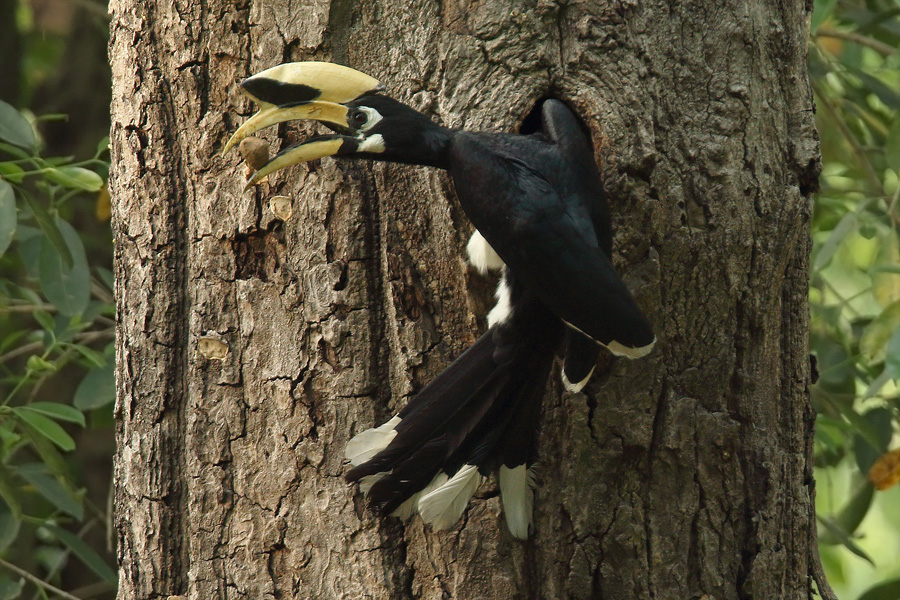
x: 51, y: 458
x: 50, y: 228
x: 39, y: 364
x: 14, y: 151
x: 46, y: 427
x: 831, y: 433
x: 58, y: 161
x: 15, y: 128
x: 109, y: 280
x: 871, y: 440
x: 28, y: 241
x: 874, y: 340
x: 835, y: 369
x: 55, y: 410
x: 886, y: 590
x: 11, y: 340
x: 858, y: 424
x: 885, y: 273
x: 76, y: 178
x: 44, y: 320
x: 892, y: 145
x: 876, y: 384
x: 98, y: 388
x: 51, y: 117
x: 852, y: 514
x: 51, y: 489
x: 8, y: 492
x: 12, y: 172
x: 884, y: 269
x: 84, y: 552
x: 892, y: 356
x: 92, y: 356
x: 821, y: 12
x: 875, y: 86
x: 68, y: 288
x: 844, y: 539
x: 9, y: 589
x: 9, y: 526
x: 8, y: 216
x: 846, y: 225
x: 102, y: 146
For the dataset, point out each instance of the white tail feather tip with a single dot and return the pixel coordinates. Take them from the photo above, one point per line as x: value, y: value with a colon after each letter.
x: 411, y: 505
x: 517, y: 492
x: 370, y: 442
x: 366, y: 483
x: 443, y: 506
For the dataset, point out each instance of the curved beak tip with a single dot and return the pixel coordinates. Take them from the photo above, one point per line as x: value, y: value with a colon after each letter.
x: 251, y: 183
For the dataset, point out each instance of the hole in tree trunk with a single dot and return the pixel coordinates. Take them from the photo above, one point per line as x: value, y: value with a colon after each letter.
x: 531, y: 123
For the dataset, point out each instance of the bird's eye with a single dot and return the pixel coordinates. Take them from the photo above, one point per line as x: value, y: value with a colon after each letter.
x: 360, y: 117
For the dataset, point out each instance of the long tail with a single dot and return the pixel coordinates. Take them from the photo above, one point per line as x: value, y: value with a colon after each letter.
x: 479, y: 415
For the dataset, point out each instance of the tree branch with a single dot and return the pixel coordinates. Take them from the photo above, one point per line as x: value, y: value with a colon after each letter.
x: 37, y: 581
x: 857, y: 38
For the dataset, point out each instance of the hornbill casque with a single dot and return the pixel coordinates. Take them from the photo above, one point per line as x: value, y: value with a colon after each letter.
x: 540, y: 215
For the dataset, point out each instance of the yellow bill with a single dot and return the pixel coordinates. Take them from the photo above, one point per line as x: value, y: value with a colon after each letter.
x: 295, y: 82
x: 311, y: 150
x: 270, y: 115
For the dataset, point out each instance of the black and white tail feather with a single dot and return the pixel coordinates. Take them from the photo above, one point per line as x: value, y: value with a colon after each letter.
x: 479, y: 415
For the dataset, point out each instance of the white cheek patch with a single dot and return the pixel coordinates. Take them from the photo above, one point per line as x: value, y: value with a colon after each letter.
x: 374, y: 117
x: 373, y: 143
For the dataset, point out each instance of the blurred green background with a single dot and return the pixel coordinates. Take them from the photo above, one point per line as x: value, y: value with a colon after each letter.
x: 855, y: 294
x: 57, y: 309
x: 57, y: 317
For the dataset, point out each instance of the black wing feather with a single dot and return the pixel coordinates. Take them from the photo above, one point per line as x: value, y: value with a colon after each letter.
x: 536, y: 214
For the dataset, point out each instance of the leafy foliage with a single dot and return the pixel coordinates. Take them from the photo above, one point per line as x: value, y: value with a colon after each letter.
x: 56, y: 313
x: 855, y: 280
x: 56, y: 307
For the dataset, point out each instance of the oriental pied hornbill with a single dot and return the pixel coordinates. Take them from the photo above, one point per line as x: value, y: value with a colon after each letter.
x: 538, y: 201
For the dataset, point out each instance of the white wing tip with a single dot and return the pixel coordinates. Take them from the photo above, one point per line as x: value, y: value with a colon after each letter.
x: 577, y: 386
x: 620, y: 350
x: 481, y: 256
x: 617, y: 348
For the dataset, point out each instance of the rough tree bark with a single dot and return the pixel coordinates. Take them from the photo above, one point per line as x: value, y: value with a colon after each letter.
x: 251, y: 347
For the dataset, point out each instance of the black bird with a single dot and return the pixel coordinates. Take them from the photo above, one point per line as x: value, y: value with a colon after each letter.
x: 538, y: 202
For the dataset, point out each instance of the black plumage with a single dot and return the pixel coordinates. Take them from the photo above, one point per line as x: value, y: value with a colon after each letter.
x: 538, y: 201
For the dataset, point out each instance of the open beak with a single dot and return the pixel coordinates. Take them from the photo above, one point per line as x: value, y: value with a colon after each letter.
x: 303, y: 90
x: 327, y: 112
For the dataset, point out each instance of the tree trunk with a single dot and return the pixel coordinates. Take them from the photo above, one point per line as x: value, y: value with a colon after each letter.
x: 251, y: 347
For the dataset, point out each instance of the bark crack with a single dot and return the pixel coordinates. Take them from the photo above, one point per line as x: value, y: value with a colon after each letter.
x: 659, y: 426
